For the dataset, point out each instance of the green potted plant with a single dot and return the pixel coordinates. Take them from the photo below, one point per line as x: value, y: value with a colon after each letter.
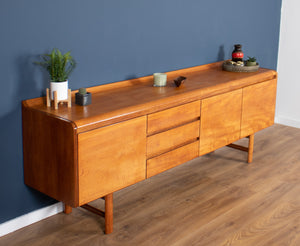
x: 59, y: 67
x: 251, y: 61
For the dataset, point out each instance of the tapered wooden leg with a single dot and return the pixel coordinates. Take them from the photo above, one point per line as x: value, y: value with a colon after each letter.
x: 48, y: 97
x: 55, y: 100
x: 69, y: 98
x: 250, y: 148
x: 109, y: 213
x: 67, y: 209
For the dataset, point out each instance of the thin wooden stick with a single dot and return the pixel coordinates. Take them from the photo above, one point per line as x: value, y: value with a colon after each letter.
x: 69, y: 98
x: 48, y: 97
x: 239, y: 147
x: 93, y: 210
x: 251, y: 145
x: 55, y: 100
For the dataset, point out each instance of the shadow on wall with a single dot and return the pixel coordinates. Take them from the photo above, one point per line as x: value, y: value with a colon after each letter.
x: 221, y: 54
x: 33, y: 79
x: 13, y: 189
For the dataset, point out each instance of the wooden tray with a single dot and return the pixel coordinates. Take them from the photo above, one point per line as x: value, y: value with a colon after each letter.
x: 239, y: 69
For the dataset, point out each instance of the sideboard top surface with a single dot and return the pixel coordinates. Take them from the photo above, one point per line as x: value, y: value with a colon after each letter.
x: 115, y: 102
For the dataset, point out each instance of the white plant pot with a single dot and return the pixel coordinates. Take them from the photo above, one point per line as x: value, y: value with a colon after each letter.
x: 61, y: 88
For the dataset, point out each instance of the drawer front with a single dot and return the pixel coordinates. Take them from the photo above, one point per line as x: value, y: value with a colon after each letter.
x: 173, y: 117
x: 171, y: 159
x: 168, y: 140
x: 111, y: 158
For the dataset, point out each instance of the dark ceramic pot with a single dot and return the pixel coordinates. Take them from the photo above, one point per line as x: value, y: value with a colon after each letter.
x: 83, y: 100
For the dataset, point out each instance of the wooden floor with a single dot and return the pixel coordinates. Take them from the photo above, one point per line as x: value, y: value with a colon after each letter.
x: 215, y: 200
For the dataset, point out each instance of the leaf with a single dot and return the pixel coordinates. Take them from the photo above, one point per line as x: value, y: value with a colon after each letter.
x: 58, y: 65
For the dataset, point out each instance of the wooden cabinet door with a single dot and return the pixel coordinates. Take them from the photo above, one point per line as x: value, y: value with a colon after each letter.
x: 111, y: 158
x: 220, y: 120
x: 258, y: 107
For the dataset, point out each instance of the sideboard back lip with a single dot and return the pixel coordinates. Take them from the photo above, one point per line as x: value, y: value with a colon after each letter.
x: 146, y: 79
x: 130, y: 82
x: 102, y: 113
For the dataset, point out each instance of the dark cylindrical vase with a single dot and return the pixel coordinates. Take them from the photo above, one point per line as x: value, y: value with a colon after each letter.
x: 83, y: 99
x: 237, y: 53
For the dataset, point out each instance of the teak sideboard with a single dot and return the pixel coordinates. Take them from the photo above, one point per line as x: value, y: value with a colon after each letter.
x: 133, y: 131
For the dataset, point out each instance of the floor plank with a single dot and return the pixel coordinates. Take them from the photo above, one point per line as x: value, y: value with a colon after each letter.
x: 217, y: 199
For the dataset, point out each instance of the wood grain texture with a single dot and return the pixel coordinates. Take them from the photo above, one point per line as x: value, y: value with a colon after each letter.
x: 172, y: 159
x: 258, y: 107
x: 129, y: 99
x: 213, y: 200
x: 173, y: 117
x: 111, y: 158
x: 101, y: 148
x: 168, y: 140
x: 49, y: 147
x: 220, y: 121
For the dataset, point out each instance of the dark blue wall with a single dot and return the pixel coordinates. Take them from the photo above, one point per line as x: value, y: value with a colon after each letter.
x: 112, y: 41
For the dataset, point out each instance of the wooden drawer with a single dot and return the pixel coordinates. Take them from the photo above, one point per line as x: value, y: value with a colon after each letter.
x: 173, y: 117
x: 111, y: 158
x: 171, y: 159
x: 176, y: 137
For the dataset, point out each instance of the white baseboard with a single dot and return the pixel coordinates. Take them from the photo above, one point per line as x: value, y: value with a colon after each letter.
x: 287, y: 121
x: 30, y: 218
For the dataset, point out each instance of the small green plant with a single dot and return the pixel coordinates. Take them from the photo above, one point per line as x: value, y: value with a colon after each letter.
x: 82, y: 91
x: 251, y: 59
x: 58, y: 65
